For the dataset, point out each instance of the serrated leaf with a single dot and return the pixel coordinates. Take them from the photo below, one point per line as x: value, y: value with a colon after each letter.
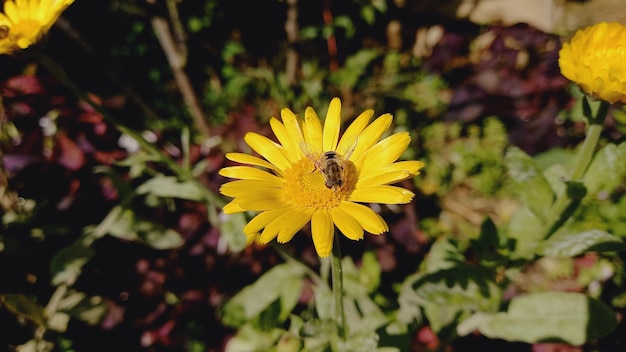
x: 129, y: 227
x: 568, y: 317
x: 566, y: 244
x: 283, y: 282
x: 170, y: 187
x: 447, y: 296
x: 528, y: 182
x: 443, y: 254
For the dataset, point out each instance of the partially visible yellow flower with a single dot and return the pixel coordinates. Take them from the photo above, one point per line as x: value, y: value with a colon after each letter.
x: 595, y: 59
x: 24, y: 22
x: 289, y: 190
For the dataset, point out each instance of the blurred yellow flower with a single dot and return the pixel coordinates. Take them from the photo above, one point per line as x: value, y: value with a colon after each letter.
x: 299, y: 181
x: 595, y: 59
x: 24, y: 22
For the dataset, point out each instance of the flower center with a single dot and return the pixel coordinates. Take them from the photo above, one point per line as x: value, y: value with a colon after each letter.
x: 305, y: 185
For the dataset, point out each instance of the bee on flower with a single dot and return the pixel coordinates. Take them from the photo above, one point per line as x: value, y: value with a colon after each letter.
x: 313, y: 175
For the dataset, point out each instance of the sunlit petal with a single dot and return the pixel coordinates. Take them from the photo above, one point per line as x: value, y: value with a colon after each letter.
x: 251, y: 160
x: 259, y: 222
x: 382, y: 194
x: 386, y: 151
x: 291, y: 147
x: 323, y: 230
x: 240, y: 188
x: 312, y: 130
x: 269, y: 149
x: 346, y: 224
x: 232, y: 208
x: 332, y: 124
x: 249, y: 173
x: 356, y: 127
x: 383, y: 179
x: 292, y: 222
x: 371, y: 135
x: 369, y: 219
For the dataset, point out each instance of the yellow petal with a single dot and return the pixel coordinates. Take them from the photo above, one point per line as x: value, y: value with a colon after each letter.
x: 252, y: 160
x: 259, y: 222
x: 369, y: 219
x: 262, y: 199
x: 371, y: 135
x: 292, y: 222
x: 386, y: 151
x: 269, y: 149
x: 346, y: 224
x: 323, y: 230
x: 382, y: 179
x: 286, y: 225
x: 356, y: 127
x: 242, y: 187
x: 249, y: 173
x: 294, y: 130
x: 382, y: 194
x: 232, y: 208
x: 291, y: 147
x: 411, y: 167
x: 312, y: 130
x: 332, y: 124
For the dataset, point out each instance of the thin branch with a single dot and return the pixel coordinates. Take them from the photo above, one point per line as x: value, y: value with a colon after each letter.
x: 291, y: 28
x: 177, y: 61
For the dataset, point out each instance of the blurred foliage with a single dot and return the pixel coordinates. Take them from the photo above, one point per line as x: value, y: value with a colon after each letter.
x: 105, y: 242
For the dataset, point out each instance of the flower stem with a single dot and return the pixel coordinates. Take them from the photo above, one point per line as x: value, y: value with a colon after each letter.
x: 556, y: 213
x: 337, y: 280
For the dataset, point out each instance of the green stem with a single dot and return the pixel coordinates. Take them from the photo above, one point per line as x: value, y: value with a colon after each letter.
x: 585, y: 155
x: 337, y: 279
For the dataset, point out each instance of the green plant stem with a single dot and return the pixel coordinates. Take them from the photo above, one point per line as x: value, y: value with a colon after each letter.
x: 337, y: 280
x: 583, y: 159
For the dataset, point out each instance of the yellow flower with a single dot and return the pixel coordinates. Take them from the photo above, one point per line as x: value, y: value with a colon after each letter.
x: 289, y: 190
x: 24, y: 22
x: 595, y: 59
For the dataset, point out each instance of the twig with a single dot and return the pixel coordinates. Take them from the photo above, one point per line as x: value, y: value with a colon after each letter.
x: 291, y: 28
x: 331, y: 41
x: 177, y: 61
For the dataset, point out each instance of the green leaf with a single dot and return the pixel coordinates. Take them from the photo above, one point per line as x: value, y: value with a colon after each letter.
x: 566, y: 244
x: 443, y: 254
x: 89, y: 309
x: 524, y: 230
x: 607, y: 170
x: 528, y: 182
x: 486, y: 246
x: 568, y: 317
x: 282, y: 283
x: 25, y: 307
x: 231, y: 231
x: 67, y: 263
x: 448, y: 296
x: 170, y: 187
x: 129, y: 227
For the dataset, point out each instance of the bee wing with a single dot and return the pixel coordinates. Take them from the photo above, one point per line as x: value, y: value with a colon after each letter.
x: 306, y: 150
x: 348, y: 147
